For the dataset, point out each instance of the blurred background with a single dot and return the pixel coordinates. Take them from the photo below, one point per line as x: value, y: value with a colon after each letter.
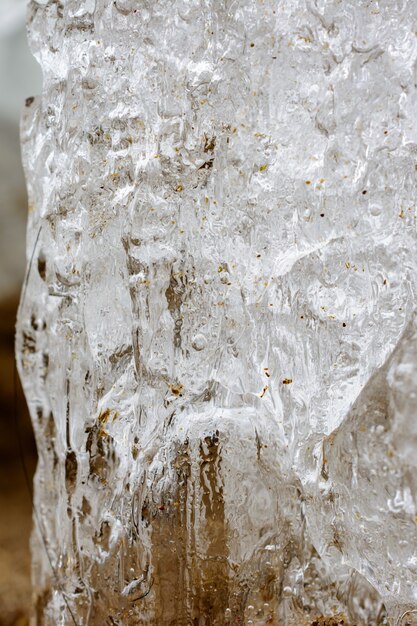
x: 20, y: 77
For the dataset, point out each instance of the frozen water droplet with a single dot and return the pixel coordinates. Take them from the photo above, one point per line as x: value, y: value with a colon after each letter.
x: 199, y: 342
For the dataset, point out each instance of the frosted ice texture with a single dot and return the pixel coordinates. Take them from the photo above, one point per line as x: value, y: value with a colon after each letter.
x: 217, y: 339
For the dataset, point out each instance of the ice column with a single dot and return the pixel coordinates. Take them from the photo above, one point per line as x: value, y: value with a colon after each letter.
x: 216, y: 336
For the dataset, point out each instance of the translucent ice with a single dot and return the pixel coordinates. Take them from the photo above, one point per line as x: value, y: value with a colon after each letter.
x: 217, y: 337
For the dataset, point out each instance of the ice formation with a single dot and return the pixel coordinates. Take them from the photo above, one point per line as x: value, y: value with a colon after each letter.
x: 217, y: 335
